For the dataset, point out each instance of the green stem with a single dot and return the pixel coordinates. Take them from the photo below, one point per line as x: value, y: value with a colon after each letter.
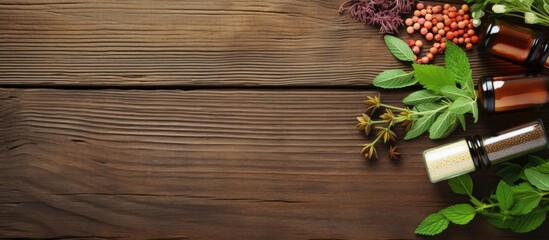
x: 430, y: 111
x: 391, y: 107
x: 485, y: 206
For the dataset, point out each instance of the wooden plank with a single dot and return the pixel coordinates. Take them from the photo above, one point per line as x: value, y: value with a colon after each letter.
x: 218, y: 164
x: 193, y: 43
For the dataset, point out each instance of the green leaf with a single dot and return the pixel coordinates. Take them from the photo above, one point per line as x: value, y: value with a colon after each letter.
x: 462, y: 184
x: 420, y: 126
x: 442, y: 125
x: 424, y: 107
x: 525, y: 201
x: 504, y: 195
x: 543, y: 168
x: 457, y: 63
x: 521, y: 188
x: 399, y: 48
x: 432, y: 225
x: 461, y: 119
x: 462, y: 106
x: 453, y: 92
x: 432, y: 77
x: 498, y: 220
x: 421, y: 96
x: 536, y: 160
x: 510, y: 173
x: 460, y: 213
x: 395, y: 78
x: 530, y: 221
x: 475, y: 111
x: 537, y: 179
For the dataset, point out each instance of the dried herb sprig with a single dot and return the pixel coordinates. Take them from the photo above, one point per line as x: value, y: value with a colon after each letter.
x: 383, y: 13
x: 384, y: 125
x: 439, y: 109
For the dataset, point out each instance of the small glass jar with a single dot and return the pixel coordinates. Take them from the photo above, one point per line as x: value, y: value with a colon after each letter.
x: 472, y: 153
x: 507, y: 93
x: 516, y: 44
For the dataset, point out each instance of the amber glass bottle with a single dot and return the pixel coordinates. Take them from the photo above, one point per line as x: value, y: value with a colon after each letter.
x: 516, y: 44
x: 505, y: 93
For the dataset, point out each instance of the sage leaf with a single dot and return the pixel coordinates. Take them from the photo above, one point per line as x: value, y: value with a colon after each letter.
x: 498, y: 220
x: 421, y: 96
x: 530, y: 221
x: 462, y: 106
x: 457, y: 63
x: 462, y: 184
x: 399, y: 48
x: 424, y: 107
x: 459, y: 214
x: 537, y: 179
x: 461, y: 119
x: 432, y: 77
x: 525, y: 201
x: 395, y: 78
x: 432, y: 225
x: 504, y: 195
x: 453, y: 92
x: 536, y: 160
x: 420, y: 126
x: 543, y: 168
x: 442, y: 125
x: 474, y: 110
x: 510, y: 172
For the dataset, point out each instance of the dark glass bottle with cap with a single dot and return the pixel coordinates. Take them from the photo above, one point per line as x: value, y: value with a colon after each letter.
x: 516, y: 44
x: 507, y: 93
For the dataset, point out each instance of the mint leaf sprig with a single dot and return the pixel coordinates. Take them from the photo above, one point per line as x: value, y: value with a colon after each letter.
x: 439, y: 109
x: 520, y: 201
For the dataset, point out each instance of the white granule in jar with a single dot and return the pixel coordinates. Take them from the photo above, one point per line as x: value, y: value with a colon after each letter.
x: 448, y: 161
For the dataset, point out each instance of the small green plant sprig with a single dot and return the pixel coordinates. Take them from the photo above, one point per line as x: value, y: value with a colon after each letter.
x: 532, y: 11
x: 520, y: 201
x: 449, y: 94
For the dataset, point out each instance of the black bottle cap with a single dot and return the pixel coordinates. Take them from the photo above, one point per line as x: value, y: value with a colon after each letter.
x: 473, y: 151
x: 484, y: 160
x: 487, y: 34
x: 488, y: 95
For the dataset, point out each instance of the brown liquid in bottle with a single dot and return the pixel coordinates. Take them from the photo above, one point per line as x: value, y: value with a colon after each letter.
x: 516, y: 44
x: 506, y: 93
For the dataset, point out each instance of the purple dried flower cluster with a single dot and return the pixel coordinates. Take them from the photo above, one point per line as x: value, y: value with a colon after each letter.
x: 384, y: 13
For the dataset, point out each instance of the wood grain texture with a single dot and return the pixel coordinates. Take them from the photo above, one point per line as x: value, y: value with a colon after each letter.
x: 218, y: 164
x: 193, y: 43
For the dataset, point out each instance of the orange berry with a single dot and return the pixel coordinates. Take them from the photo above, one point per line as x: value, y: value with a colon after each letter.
x: 468, y: 46
x: 474, y: 39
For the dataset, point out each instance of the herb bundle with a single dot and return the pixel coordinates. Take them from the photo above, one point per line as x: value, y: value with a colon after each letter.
x: 520, y: 201
x: 449, y: 94
x: 383, y: 13
x: 532, y: 11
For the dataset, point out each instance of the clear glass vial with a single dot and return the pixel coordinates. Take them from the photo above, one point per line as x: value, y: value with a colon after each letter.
x: 472, y: 153
x: 516, y: 44
x: 506, y: 93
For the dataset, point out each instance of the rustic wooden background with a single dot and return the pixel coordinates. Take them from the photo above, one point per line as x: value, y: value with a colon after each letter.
x: 208, y: 120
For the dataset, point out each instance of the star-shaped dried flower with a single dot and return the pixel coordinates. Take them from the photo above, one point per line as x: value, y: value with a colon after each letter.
x: 386, y: 133
x: 364, y: 123
x: 369, y: 151
x: 393, y: 152
x: 388, y: 116
x: 373, y: 104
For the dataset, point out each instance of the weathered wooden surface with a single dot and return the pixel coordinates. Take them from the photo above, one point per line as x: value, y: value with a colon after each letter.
x: 192, y: 43
x: 207, y: 164
x: 223, y: 164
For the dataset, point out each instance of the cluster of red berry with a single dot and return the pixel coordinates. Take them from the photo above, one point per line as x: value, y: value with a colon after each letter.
x: 439, y: 23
